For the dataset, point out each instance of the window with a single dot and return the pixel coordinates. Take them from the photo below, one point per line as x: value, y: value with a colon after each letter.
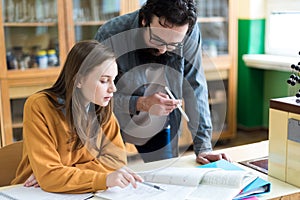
x: 282, y: 33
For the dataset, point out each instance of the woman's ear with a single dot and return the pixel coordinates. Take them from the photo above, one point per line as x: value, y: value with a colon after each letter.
x: 79, y: 82
x: 78, y: 85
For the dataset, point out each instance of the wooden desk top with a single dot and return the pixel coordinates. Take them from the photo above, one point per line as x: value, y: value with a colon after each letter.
x: 279, y: 189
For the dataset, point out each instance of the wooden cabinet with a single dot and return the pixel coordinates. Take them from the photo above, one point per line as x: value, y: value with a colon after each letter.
x: 219, y: 32
x: 27, y: 26
x: 218, y: 24
x: 284, y: 139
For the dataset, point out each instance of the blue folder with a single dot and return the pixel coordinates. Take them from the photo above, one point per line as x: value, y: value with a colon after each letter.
x: 251, y: 188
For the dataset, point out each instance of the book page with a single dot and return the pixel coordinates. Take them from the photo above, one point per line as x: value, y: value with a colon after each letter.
x: 19, y: 192
x: 233, y: 178
x: 222, y: 184
x: 176, y: 175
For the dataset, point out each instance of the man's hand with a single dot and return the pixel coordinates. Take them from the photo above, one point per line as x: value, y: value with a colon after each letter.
x: 207, y: 157
x: 158, y: 104
x: 122, y: 178
x: 31, y: 181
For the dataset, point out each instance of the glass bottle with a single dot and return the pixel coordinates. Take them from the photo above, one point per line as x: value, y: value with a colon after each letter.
x: 52, y: 58
x: 42, y: 59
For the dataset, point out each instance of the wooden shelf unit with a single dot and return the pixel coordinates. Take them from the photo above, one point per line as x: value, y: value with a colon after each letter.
x: 222, y: 67
x: 16, y: 84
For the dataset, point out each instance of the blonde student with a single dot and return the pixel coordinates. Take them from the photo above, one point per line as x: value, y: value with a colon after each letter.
x: 72, y: 140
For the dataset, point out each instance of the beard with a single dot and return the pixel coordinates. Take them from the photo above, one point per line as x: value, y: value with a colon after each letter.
x: 154, y: 52
x: 153, y: 55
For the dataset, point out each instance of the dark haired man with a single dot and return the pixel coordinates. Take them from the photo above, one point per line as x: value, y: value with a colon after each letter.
x: 158, y: 46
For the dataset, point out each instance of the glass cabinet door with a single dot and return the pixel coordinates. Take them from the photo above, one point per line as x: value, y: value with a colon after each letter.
x: 219, y: 67
x: 33, y: 45
x: 31, y: 31
x: 213, y: 23
x: 88, y: 15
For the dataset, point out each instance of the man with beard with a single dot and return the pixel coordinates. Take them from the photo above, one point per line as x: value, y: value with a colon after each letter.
x: 159, y: 46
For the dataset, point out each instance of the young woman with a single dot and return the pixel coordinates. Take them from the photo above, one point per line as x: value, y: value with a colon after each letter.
x: 72, y: 140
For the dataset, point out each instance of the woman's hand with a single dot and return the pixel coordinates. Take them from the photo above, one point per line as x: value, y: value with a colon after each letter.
x: 122, y: 178
x: 31, y: 181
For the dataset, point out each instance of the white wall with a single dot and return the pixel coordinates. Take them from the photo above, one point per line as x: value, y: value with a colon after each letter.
x: 287, y: 5
x: 251, y: 9
x: 257, y: 9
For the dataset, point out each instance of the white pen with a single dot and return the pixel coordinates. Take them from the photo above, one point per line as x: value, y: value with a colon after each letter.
x: 153, y: 186
x: 178, y: 106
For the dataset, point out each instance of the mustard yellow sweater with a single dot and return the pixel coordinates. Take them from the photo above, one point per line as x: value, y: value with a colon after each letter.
x: 47, y: 154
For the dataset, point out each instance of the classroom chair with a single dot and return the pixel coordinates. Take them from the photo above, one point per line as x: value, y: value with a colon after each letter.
x: 10, y: 157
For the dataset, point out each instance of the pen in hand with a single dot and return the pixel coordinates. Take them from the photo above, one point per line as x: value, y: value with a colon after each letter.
x: 178, y: 106
x: 152, y: 185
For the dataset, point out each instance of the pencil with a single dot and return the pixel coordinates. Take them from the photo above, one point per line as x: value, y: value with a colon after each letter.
x: 152, y: 185
x: 178, y: 106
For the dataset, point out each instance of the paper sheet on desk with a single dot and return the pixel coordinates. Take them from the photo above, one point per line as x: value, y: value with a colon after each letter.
x: 174, y: 192
x: 19, y: 192
x: 178, y: 183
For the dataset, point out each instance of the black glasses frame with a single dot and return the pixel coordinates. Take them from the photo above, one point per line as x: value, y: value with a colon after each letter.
x: 154, y: 39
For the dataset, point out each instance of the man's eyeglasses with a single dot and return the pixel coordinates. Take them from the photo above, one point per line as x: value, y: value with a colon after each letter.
x: 154, y: 39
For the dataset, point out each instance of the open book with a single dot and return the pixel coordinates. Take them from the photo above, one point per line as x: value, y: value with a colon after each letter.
x: 222, y: 184
x: 184, y: 183
x: 257, y: 187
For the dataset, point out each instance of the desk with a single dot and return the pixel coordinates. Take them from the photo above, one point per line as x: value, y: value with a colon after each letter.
x: 279, y: 189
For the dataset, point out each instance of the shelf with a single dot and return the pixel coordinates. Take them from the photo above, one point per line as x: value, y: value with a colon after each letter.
x: 32, y: 73
x: 90, y: 23
x: 221, y: 74
x: 211, y: 19
x: 216, y: 101
x: 25, y: 91
x: 216, y: 63
x: 29, y: 24
x: 18, y: 124
x: 22, y: 83
x: 216, y: 68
